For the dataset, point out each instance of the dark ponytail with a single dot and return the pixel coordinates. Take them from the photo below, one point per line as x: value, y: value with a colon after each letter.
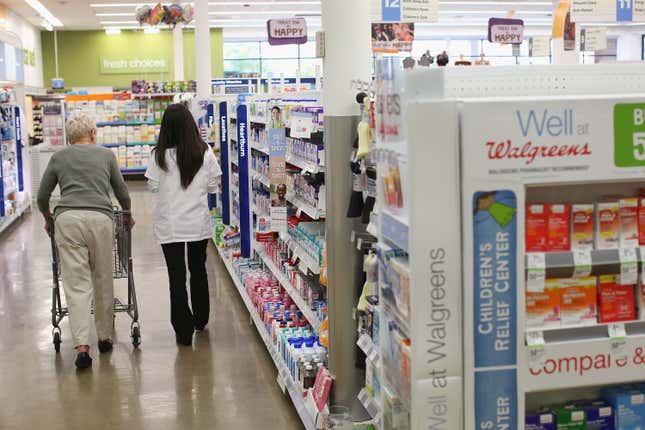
x: 178, y: 130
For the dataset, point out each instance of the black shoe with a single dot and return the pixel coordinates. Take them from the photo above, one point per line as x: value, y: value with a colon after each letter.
x: 105, y: 346
x: 184, y: 340
x: 200, y: 327
x: 83, y: 360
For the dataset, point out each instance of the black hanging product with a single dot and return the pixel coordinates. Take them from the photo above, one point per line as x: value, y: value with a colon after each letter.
x: 356, y: 203
x: 368, y: 207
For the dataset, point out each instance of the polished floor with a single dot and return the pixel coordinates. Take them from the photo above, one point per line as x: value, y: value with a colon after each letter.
x: 225, y: 381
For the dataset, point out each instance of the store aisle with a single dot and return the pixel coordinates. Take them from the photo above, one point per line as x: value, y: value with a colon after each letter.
x: 226, y: 381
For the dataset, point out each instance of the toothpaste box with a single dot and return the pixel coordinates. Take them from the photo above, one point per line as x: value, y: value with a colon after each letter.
x: 543, y: 309
x: 579, y: 301
x: 628, y: 222
x: 539, y: 421
x: 570, y: 417
x: 536, y: 228
x: 628, y: 405
x: 599, y: 414
x: 641, y: 220
x: 607, y: 225
x: 615, y: 302
x: 558, y: 224
x: 582, y: 226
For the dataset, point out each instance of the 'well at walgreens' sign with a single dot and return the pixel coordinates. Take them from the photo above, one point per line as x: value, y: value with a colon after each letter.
x: 287, y: 31
x: 505, y: 30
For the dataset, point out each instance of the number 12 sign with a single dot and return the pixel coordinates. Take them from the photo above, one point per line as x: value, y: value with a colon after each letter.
x: 391, y: 10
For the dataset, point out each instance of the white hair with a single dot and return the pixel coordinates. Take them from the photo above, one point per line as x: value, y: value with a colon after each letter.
x: 79, y: 126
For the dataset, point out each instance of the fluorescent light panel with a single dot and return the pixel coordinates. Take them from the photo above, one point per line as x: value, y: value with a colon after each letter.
x: 223, y: 3
x: 44, y: 12
x: 112, y: 31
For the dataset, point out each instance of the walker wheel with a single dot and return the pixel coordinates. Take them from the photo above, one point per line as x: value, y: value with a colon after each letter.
x: 57, y: 341
x: 136, y: 336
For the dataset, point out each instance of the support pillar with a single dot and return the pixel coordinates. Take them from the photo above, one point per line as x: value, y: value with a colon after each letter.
x: 178, y: 51
x: 202, y: 50
x: 347, y: 56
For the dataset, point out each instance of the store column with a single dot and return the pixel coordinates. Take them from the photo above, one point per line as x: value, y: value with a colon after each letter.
x: 178, y: 51
x: 202, y: 50
x: 347, y: 56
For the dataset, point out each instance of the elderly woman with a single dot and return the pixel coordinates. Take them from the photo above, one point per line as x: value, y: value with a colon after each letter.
x: 83, y: 223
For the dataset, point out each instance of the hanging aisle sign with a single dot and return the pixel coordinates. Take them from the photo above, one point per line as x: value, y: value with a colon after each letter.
x: 409, y: 10
x: 593, y: 39
x: 392, y: 37
x: 608, y: 10
x: 287, y: 31
x: 540, y: 46
x: 505, y: 30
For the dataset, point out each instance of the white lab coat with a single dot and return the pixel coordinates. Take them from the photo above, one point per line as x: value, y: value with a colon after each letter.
x: 182, y: 215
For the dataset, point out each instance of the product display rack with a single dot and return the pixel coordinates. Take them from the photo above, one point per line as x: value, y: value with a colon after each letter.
x: 48, y: 121
x: 503, y: 138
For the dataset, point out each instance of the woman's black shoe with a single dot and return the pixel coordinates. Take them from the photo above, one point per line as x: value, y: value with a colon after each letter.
x: 83, y: 360
x: 184, y: 340
x: 200, y: 327
x: 105, y: 346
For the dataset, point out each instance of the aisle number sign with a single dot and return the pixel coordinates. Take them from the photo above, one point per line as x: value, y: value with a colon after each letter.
x: 593, y: 39
x: 410, y: 10
x: 608, y: 10
x: 629, y: 135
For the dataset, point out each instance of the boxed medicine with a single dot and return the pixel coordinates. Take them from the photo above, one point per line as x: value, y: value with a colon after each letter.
x: 539, y: 421
x: 558, y: 223
x: 570, y: 417
x: 599, y: 414
x: 579, y: 301
x: 582, y: 226
x: 628, y: 405
x: 615, y: 301
x: 628, y: 222
x: 543, y: 309
x: 607, y: 225
x: 536, y: 228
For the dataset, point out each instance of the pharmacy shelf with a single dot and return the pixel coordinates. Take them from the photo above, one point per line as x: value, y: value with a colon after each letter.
x: 394, y: 229
x: 118, y: 123
x: 304, y: 165
x: 366, y: 345
x: 115, y: 145
x: 370, y: 404
x: 305, y: 258
x: 283, y: 372
x: 151, y: 95
x: 13, y: 218
x: 293, y: 293
x: 261, y: 148
x: 587, y: 332
x: 313, y: 212
x: 262, y: 178
x: 603, y: 262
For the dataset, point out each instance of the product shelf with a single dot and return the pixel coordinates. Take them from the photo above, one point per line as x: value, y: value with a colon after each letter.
x: 283, y: 372
x: 313, y: 212
x: 305, y: 258
x: 394, y: 228
x: 13, y: 218
x: 366, y: 345
x: 261, y: 148
x: 295, y: 295
x: 603, y: 262
x: 115, y: 145
x: 587, y: 332
x: 119, y: 123
x: 304, y: 165
x: 370, y: 404
x: 262, y: 178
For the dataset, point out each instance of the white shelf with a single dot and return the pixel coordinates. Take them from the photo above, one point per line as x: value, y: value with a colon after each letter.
x: 370, y: 404
x: 305, y: 258
x: 293, y: 293
x: 262, y: 148
x: 283, y: 372
x: 13, y: 218
x: 313, y: 212
x: 260, y: 177
x: 304, y: 164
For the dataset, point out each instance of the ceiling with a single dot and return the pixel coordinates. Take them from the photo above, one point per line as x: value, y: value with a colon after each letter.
x: 247, y: 18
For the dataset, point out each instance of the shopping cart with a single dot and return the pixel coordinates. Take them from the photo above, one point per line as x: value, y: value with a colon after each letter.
x: 122, y: 269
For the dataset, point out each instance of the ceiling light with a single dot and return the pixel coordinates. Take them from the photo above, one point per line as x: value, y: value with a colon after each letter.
x: 151, y: 30
x: 46, y: 25
x: 44, y: 12
x: 116, y: 14
x: 117, y: 22
x: 218, y: 3
x: 112, y: 31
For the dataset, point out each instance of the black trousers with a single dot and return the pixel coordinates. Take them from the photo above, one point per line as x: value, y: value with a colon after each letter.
x: 183, y: 319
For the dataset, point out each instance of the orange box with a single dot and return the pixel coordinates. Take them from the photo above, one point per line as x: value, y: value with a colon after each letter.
x: 628, y: 222
x: 536, y: 226
x: 615, y: 302
x: 607, y: 225
x: 558, y: 226
x: 582, y: 226
x: 579, y: 301
x: 543, y: 309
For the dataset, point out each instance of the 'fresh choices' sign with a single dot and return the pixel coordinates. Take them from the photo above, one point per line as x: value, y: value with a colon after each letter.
x: 110, y: 66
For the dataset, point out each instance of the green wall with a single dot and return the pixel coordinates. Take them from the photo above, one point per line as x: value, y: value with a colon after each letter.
x: 79, y: 52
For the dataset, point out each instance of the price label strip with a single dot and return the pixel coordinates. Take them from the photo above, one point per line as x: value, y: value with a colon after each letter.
x: 536, y: 267
x: 642, y: 259
x: 628, y: 266
x: 536, y: 344
x: 581, y: 263
x: 617, y: 336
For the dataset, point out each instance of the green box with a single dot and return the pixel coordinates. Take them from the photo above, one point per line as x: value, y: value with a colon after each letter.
x: 629, y: 135
x: 570, y: 417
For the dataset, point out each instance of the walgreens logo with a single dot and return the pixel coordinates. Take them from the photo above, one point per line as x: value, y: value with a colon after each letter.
x: 529, y: 152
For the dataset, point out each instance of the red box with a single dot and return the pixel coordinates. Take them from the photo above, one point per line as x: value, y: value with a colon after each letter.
x: 535, y: 232
x: 628, y: 222
x: 641, y: 220
x: 558, y: 226
x: 607, y: 236
x: 582, y: 226
x: 615, y: 302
